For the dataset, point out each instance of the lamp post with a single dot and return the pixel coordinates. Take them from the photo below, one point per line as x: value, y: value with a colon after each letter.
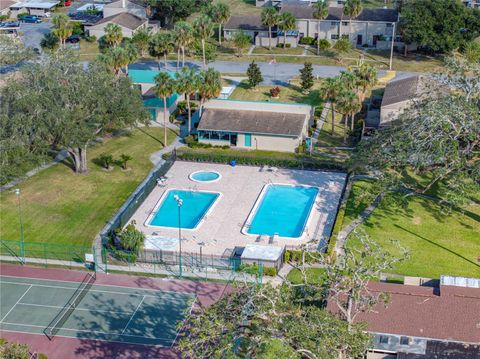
x: 179, y: 204
x: 391, y: 47
x: 22, y: 242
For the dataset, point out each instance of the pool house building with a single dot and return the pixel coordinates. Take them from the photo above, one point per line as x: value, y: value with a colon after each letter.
x: 254, y: 125
x: 145, y: 80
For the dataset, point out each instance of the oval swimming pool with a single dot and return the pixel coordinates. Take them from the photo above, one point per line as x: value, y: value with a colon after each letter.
x: 205, y: 176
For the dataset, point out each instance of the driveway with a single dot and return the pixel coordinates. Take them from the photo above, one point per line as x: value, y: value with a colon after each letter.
x: 273, y: 74
x: 33, y: 33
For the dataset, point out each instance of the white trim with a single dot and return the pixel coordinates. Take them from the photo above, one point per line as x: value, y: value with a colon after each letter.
x: 190, y: 177
x: 259, y: 201
x: 164, y: 196
x: 18, y: 301
x: 133, y: 315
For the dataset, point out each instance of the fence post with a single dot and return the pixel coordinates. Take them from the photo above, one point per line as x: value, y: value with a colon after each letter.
x: 45, y: 255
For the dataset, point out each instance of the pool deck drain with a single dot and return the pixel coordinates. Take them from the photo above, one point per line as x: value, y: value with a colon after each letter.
x: 240, y: 187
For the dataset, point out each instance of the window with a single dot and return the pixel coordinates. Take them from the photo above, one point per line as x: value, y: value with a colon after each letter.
x: 389, y: 24
x: 344, y: 23
x: 384, y: 339
x: 404, y: 340
x: 345, y: 36
x: 334, y: 23
x: 334, y: 36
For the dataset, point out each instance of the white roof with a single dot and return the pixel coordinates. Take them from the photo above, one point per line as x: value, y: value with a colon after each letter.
x: 89, y: 6
x: 35, y: 4
x: 261, y: 253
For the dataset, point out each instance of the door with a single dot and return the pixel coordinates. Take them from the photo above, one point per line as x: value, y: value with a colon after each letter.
x: 248, y: 140
x: 359, y: 40
x: 153, y: 114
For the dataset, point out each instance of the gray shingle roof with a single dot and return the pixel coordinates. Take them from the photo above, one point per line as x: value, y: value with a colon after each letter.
x: 252, y: 22
x: 305, y: 11
x: 263, y: 122
x: 400, y: 90
x: 124, y: 19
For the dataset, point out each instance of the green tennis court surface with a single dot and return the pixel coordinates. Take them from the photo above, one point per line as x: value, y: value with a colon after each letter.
x: 111, y: 313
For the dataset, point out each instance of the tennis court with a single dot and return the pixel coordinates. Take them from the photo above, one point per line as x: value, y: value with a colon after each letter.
x: 90, y: 311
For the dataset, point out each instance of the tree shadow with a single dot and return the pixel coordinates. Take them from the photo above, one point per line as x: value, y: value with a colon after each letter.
x: 437, y: 245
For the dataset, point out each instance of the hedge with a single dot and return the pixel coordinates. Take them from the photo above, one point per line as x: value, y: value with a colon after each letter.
x: 295, y: 255
x: 253, y: 269
x: 300, y: 162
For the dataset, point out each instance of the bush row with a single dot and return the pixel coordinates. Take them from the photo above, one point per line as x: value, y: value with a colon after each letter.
x: 295, y: 255
x: 242, y: 159
x: 253, y: 269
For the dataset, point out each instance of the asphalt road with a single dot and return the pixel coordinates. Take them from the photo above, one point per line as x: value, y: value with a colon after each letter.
x: 33, y: 33
x: 273, y: 74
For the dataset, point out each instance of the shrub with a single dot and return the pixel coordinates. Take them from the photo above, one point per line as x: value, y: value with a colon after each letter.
x: 307, y: 40
x: 50, y: 42
x: 131, y: 239
x: 4, y: 17
x: 275, y: 91
x: 300, y: 161
x: 318, y: 111
x: 91, y: 38
x: 182, y: 107
x: 77, y: 28
x: 287, y: 46
x: 22, y: 14
x: 343, y: 45
x: 253, y: 269
x: 302, y: 148
x: 124, y: 160
x: 324, y: 44
x: 295, y: 255
x: 270, y: 271
x: 14, y: 350
x: 105, y: 160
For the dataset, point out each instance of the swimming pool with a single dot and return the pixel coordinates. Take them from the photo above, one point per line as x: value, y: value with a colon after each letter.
x: 196, y: 204
x: 205, y: 176
x: 281, y: 209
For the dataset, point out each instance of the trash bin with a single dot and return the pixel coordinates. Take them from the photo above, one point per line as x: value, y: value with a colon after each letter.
x: 233, y: 163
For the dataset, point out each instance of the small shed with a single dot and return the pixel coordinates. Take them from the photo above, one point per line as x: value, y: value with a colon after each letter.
x: 269, y: 256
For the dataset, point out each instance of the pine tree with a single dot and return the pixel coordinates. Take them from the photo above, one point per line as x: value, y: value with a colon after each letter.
x: 254, y: 75
x: 306, y: 76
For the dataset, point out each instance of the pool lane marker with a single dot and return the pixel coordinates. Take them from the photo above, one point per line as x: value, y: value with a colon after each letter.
x: 18, y: 301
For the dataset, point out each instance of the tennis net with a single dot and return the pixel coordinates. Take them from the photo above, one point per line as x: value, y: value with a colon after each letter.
x: 56, y: 324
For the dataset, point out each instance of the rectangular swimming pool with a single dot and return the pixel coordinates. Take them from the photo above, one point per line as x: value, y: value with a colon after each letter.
x: 283, y: 210
x: 196, y: 204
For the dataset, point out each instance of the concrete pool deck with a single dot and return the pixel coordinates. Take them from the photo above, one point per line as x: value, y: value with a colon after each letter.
x: 240, y: 186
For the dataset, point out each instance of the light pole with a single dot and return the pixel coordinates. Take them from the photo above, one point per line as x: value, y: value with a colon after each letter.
x: 179, y: 204
x: 391, y: 47
x: 22, y: 242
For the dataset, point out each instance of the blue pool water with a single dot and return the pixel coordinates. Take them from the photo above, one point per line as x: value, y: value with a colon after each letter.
x: 195, y: 205
x: 283, y: 210
x: 205, y: 176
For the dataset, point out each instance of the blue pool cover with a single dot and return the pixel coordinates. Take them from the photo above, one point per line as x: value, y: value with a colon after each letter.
x: 284, y: 210
x: 195, y: 206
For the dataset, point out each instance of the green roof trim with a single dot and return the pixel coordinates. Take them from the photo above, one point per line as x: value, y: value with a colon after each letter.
x: 158, y: 102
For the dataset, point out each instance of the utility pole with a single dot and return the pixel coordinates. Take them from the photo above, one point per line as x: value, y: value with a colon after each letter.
x: 391, y: 47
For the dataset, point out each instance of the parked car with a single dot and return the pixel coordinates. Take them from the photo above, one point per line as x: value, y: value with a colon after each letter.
x: 73, y: 39
x: 31, y: 19
x: 68, y: 3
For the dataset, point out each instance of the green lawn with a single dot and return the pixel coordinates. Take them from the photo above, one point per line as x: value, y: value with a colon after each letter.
x: 88, y: 50
x: 314, y: 275
x: 291, y: 93
x: 326, y: 138
x: 278, y: 50
x: 62, y: 207
x: 241, y: 7
x: 438, y: 242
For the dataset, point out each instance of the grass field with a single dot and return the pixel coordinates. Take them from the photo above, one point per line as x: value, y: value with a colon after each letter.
x: 241, y: 7
x: 314, y: 275
x: 326, y: 138
x: 277, y: 50
x: 438, y: 242
x: 291, y: 93
x: 60, y: 206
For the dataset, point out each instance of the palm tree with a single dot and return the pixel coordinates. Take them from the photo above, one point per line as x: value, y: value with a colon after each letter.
x: 287, y: 22
x: 348, y: 105
x: 141, y: 39
x: 113, y: 34
x: 320, y: 12
x: 183, y: 37
x: 330, y: 90
x: 352, y: 9
x: 210, y: 85
x: 161, y: 45
x: 131, y: 54
x: 188, y: 82
x: 219, y: 13
x: 203, y: 27
x: 366, y: 78
x: 270, y: 18
x: 164, y: 88
x: 115, y: 58
x: 63, y: 28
